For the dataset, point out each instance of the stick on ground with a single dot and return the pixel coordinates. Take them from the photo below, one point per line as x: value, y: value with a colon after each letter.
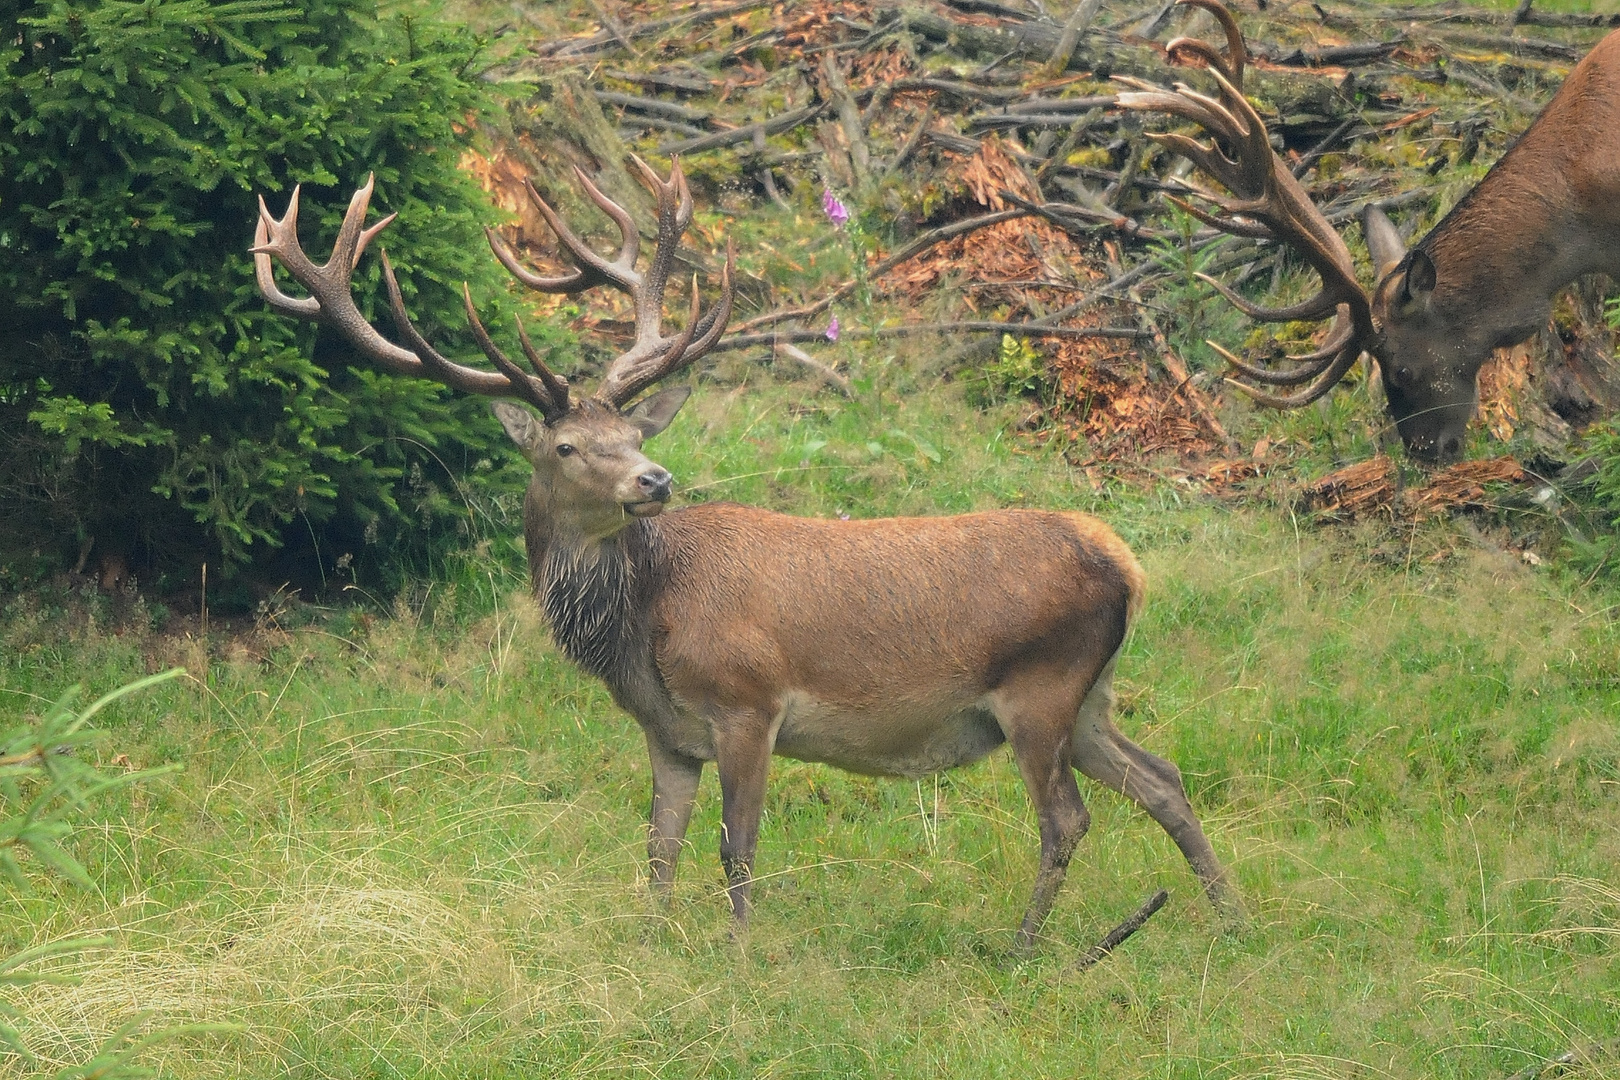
x: 1118, y: 934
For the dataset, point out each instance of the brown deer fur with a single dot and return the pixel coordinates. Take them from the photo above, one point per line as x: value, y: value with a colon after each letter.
x: 1484, y: 278
x: 1547, y: 213
x: 898, y: 647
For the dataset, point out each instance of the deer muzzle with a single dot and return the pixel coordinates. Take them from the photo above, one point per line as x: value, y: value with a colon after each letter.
x: 654, y: 484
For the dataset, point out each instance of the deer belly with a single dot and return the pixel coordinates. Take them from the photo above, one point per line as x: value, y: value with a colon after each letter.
x: 913, y: 742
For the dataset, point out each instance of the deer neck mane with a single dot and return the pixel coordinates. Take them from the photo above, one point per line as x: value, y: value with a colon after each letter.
x: 1512, y: 241
x: 596, y: 594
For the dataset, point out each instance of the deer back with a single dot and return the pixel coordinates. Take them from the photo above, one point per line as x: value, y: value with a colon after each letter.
x: 908, y: 619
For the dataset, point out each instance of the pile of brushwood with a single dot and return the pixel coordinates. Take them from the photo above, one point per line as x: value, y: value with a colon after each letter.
x: 1002, y: 204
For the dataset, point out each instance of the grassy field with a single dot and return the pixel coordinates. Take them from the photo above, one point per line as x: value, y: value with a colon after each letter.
x: 410, y: 843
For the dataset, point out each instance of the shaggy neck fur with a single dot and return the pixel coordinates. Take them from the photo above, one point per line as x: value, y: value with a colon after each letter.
x: 596, y: 596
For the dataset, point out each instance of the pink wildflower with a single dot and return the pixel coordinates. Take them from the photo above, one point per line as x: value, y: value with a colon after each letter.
x: 836, y: 212
x: 832, y: 329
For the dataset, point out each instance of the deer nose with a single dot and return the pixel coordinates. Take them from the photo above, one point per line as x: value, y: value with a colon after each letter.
x: 655, y: 483
x: 1450, y: 447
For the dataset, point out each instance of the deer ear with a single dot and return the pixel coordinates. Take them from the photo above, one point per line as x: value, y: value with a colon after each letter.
x: 653, y: 414
x: 1420, y: 277
x: 520, y: 424
x: 1384, y: 242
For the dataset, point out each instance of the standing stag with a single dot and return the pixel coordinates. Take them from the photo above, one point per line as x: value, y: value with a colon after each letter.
x: 896, y: 647
x: 1484, y: 278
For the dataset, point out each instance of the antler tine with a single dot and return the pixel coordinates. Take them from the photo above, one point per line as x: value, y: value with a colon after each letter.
x: 1320, y: 306
x: 1345, y: 360
x: 535, y: 391
x: 1254, y: 154
x: 330, y: 300
x: 1210, y: 159
x: 352, y: 238
x: 1189, y: 105
x: 593, y: 269
x: 556, y: 385
x: 1318, y: 362
x: 714, y: 323
x: 630, y: 247
x: 1273, y: 205
x: 674, y: 214
x: 1182, y: 47
x: 653, y: 356
x: 430, y: 363
x: 573, y: 281
x: 305, y: 307
x: 1237, y: 51
x: 675, y: 183
x: 642, y: 366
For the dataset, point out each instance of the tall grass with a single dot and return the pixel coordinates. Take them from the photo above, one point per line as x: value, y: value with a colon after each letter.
x: 408, y: 842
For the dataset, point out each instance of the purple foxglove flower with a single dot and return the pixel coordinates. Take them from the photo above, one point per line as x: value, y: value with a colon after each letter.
x: 832, y: 329
x: 836, y: 212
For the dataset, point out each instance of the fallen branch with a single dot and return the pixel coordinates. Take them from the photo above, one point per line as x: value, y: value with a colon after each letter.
x: 662, y: 81
x: 1331, y: 55
x: 644, y: 122
x: 971, y: 326
x: 1458, y: 13
x: 913, y: 142
x: 1047, y: 105
x: 1514, y: 46
x: 766, y: 180
x: 1178, y: 370
x: 1117, y: 936
x: 606, y: 38
x: 849, y: 118
x: 1073, y: 30
x: 1072, y: 218
x: 774, y: 126
x: 668, y: 109
x: 612, y: 25
x: 979, y: 351
x: 912, y: 250
x: 826, y: 373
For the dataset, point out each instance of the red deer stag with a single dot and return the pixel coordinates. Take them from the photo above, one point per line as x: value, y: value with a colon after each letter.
x: 1484, y: 278
x: 896, y: 647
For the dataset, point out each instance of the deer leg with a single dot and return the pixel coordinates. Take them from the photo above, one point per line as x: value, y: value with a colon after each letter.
x: 1034, y: 713
x: 1102, y: 752
x: 675, y: 782
x: 743, y: 753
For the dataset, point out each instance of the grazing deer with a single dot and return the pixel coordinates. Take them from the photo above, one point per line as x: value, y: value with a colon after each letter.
x: 896, y: 647
x: 1484, y: 278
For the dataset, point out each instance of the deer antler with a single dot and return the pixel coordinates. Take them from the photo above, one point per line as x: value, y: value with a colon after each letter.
x: 653, y: 356
x: 331, y: 302
x: 1268, y: 204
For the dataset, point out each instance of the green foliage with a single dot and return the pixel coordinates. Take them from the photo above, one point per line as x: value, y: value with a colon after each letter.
x: 42, y: 777
x: 433, y: 824
x: 1595, y: 541
x: 1017, y: 371
x: 149, y: 400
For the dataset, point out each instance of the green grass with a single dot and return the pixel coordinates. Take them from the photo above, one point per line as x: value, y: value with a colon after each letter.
x: 411, y: 845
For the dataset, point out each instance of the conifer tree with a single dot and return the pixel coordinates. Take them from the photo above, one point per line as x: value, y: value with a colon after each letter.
x: 150, y: 404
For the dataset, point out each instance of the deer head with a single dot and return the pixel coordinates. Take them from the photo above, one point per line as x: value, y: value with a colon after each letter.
x: 590, y: 474
x: 1430, y: 331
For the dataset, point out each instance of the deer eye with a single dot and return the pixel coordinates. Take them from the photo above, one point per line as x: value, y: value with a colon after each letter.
x: 564, y: 449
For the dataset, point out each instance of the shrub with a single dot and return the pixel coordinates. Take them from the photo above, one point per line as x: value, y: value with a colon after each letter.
x: 151, y: 407
x: 42, y: 779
